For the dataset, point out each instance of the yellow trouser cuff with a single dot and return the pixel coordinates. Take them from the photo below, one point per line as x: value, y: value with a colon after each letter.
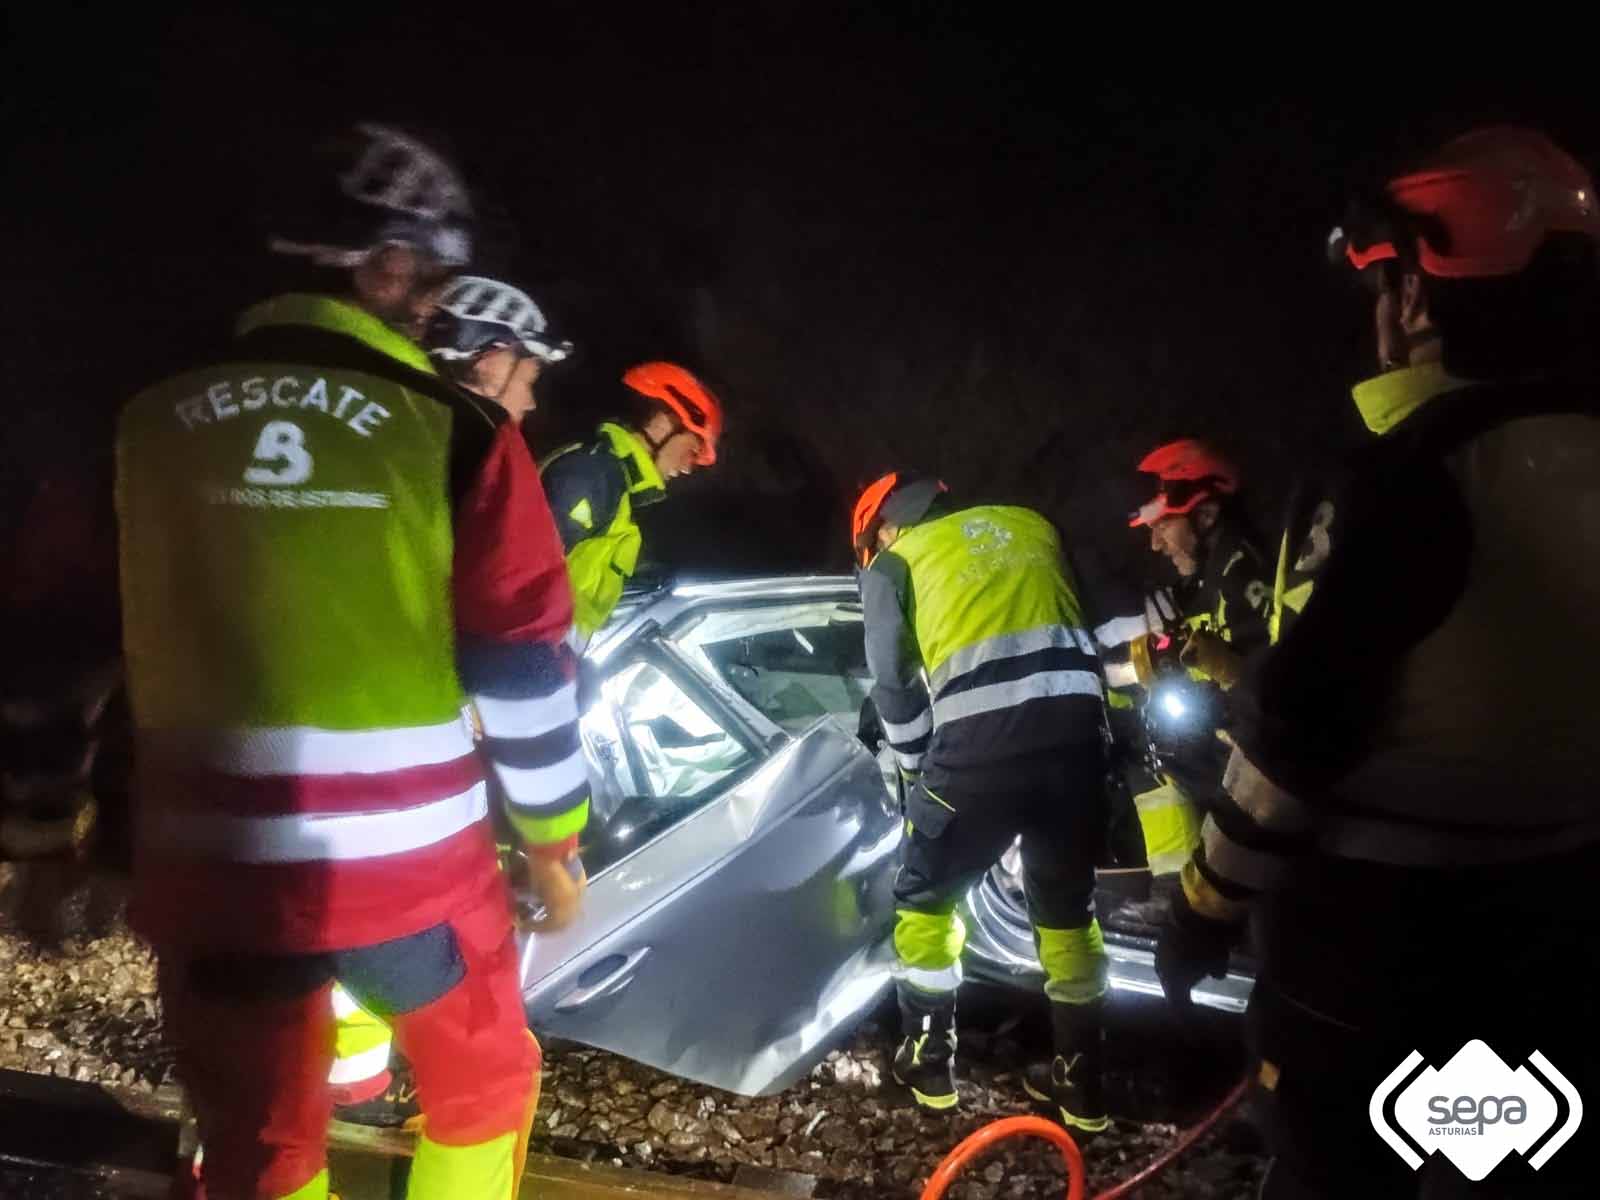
x: 486, y: 1170
x: 929, y: 941
x: 1074, y: 961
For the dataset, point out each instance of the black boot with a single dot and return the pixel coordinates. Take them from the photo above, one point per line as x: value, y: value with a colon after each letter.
x: 926, y: 1059
x: 1070, y: 1084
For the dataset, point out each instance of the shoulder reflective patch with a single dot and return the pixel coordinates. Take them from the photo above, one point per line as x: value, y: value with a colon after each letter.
x: 582, y: 513
x: 1296, y: 598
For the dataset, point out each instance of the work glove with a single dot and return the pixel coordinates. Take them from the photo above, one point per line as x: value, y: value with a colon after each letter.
x: 1189, y: 948
x: 1212, y: 657
x: 558, y: 885
x: 1142, y: 660
x: 869, y: 726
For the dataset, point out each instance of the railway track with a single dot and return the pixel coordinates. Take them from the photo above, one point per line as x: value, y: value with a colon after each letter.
x: 79, y: 1139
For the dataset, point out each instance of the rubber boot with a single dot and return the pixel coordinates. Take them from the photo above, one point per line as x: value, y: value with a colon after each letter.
x: 926, y: 1059
x: 1070, y: 1084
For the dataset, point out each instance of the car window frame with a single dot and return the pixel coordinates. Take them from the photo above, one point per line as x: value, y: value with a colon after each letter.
x: 773, y: 734
x: 649, y: 649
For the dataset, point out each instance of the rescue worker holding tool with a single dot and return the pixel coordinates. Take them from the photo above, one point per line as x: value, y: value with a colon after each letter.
x: 594, y: 487
x: 1223, y: 601
x: 988, y: 689
x: 326, y: 550
x: 1410, y: 808
x: 491, y: 339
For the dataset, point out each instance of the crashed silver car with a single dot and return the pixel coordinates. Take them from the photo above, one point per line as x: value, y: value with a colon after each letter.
x: 742, y: 846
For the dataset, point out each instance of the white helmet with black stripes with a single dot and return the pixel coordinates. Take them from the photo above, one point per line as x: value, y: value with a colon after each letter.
x: 477, y: 314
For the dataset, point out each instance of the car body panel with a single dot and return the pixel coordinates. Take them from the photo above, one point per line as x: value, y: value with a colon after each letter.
x: 740, y: 906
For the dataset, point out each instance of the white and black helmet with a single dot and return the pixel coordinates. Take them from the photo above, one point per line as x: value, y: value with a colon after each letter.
x: 478, y: 314
x: 388, y: 188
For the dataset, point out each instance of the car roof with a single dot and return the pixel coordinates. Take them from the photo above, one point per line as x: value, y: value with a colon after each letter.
x: 664, y: 598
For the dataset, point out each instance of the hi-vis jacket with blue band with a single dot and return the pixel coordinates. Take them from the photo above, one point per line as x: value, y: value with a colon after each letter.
x: 1407, y: 713
x: 975, y: 641
x: 594, y: 489
x: 322, y: 545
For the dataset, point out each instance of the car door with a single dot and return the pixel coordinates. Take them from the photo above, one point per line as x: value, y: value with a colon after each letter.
x: 740, y: 897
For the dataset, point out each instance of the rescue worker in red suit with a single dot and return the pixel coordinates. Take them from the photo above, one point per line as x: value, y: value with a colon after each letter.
x: 326, y: 551
x: 1410, y: 812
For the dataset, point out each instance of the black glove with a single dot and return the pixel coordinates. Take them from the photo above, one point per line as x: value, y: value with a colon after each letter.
x: 1188, y: 948
x: 869, y: 726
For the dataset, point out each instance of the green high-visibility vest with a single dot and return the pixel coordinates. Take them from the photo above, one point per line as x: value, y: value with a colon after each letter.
x: 982, y: 573
x: 287, y: 542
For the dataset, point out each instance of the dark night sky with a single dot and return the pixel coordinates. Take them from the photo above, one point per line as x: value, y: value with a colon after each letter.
x: 996, y: 252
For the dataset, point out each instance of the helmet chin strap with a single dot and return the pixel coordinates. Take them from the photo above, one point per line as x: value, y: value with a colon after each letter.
x: 675, y: 428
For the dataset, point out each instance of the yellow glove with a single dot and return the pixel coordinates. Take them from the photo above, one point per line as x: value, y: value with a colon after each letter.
x: 1212, y: 657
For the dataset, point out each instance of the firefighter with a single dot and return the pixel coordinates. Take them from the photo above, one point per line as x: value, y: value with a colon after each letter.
x: 1222, y: 605
x: 988, y: 689
x: 325, y: 551
x: 1193, y: 523
x: 595, y: 486
x: 492, y: 340
x: 1409, y: 813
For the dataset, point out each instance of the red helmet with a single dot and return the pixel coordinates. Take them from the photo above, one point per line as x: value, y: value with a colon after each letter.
x: 1190, y: 473
x: 1480, y: 208
x: 696, y: 408
x: 898, y: 496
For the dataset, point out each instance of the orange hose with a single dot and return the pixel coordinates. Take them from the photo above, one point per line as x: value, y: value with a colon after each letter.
x: 998, y: 1131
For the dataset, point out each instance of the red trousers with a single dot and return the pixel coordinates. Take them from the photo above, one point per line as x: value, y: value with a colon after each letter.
x: 255, y: 1060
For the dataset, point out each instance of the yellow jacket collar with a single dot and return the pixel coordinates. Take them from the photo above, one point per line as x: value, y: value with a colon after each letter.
x: 1386, y: 400
x: 337, y: 316
x: 631, y: 448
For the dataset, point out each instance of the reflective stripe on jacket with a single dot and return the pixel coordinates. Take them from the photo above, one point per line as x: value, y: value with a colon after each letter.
x: 976, y: 643
x: 322, y: 542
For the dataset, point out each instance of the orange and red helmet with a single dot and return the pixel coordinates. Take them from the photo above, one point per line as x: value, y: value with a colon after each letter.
x: 1481, y: 207
x: 692, y: 402
x: 900, y: 497
x: 1190, y: 473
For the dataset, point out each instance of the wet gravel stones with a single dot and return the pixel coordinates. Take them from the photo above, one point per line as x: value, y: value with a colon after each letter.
x: 858, y: 1134
x: 85, y: 1010
x: 88, y: 1010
